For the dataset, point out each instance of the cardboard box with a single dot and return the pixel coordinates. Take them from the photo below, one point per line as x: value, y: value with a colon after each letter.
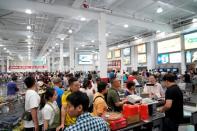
x: 117, y: 124
x: 133, y: 119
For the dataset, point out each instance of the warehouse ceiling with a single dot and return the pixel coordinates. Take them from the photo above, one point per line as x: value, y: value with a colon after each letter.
x: 40, y: 30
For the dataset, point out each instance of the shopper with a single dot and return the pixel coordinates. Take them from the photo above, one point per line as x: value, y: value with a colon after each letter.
x: 173, y: 107
x: 113, y: 98
x: 12, y: 87
x: 99, y: 103
x: 51, y: 111
x: 66, y: 119
x: 153, y: 88
x: 130, y: 90
x: 58, y: 87
x: 77, y: 107
x: 88, y: 89
x: 32, y: 103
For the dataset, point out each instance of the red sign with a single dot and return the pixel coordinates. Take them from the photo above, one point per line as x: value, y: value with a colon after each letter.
x: 27, y: 67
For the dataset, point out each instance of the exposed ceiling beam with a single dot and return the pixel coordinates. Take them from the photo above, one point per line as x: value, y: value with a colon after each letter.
x: 77, y: 3
x: 65, y: 11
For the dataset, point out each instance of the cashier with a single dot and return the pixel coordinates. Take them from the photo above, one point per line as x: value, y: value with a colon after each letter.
x: 113, y: 98
x: 173, y: 107
x: 155, y: 90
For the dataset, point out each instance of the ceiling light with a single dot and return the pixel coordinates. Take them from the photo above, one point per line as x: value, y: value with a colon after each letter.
x: 29, y: 27
x: 194, y: 20
x: 62, y: 38
x: 50, y: 50
x: 56, y: 44
x: 29, y: 36
x: 53, y: 47
x: 135, y: 38
x: 92, y: 41
x: 29, y: 43
x: 7, y: 51
x: 106, y: 34
x: 82, y: 19
x: 77, y: 48
x: 70, y: 31
x: 158, y: 31
x: 28, y: 11
x: 82, y: 45
x: 126, y: 26
x: 1, y: 45
x: 4, y: 48
x: 159, y: 10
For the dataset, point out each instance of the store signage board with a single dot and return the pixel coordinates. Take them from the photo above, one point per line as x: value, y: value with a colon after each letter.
x: 109, y: 55
x: 85, y: 59
x: 126, y: 51
x: 191, y: 56
x: 171, y: 45
x: 141, y: 48
x: 141, y: 58
x: 175, y: 57
x: 126, y: 60
x: 163, y: 58
x: 27, y: 67
x: 117, y: 53
x: 190, y: 41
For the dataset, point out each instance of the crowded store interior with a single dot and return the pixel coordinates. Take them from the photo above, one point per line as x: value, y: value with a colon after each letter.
x: 98, y: 65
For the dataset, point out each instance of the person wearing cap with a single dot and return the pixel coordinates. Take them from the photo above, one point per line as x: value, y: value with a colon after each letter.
x: 57, y: 86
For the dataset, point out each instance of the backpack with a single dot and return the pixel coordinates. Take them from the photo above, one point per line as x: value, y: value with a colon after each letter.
x: 90, y: 109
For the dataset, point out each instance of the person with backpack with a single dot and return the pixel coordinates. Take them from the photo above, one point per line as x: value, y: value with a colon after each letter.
x: 51, y: 111
x: 99, y: 103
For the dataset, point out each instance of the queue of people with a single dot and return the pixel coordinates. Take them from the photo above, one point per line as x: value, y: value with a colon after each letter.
x: 82, y: 103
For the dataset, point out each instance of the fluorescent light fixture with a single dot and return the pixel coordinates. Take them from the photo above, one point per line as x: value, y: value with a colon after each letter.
x: 126, y: 26
x: 82, y: 45
x: 135, y: 38
x: 28, y: 11
x: 53, y: 47
x: 29, y: 27
x: 50, y: 50
x: 1, y: 45
x: 82, y: 19
x: 106, y: 34
x: 56, y: 44
x: 4, y: 48
x: 194, y: 20
x: 7, y: 51
x: 62, y: 38
x: 77, y: 48
x: 70, y: 31
x: 92, y: 41
x: 159, y: 10
x: 28, y: 36
x: 29, y: 46
x: 158, y: 31
x: 29, y: 43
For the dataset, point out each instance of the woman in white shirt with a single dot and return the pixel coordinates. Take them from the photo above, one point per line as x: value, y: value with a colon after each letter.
x: 51, y: 112
x: 153, y: 88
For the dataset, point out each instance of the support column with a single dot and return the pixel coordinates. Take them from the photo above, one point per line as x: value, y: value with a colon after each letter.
x: 53, y: 63
x: 183, y: 64
x: 134, y: 58
x: 3, y: 64
x: 151, y: 55
x: 61, y: 58
x: 102, y: 45
x: 72, y: 55
x: 8, y: 64
x: 48, y: 64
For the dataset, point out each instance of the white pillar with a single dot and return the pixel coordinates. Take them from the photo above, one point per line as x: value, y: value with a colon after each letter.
x: 53, y: 63
x: 3, y: 64
x: 48, y: 63
x: 151, y: 55
x: 71, y: 55
x: 61, y: 58
x: 134, y: 58
x: 102, y: 45
x: 8, y: 64
x: 183, y: 64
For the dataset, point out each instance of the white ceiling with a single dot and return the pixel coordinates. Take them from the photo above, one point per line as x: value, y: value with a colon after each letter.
x: 52, y: 18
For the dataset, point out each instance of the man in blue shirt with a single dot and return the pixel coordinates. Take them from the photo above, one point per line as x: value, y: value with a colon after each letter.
x: 78, y: 107
x: 58, y: 87
x: 12, y: 87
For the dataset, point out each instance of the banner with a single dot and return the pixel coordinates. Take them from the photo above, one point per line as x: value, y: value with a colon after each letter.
x: 27, y: 67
